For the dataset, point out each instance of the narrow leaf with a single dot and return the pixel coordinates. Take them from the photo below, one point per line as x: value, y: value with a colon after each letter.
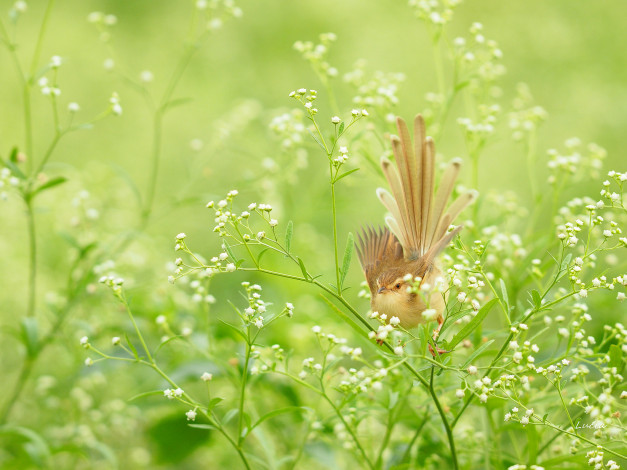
x: 146, y: 394
x: 303, y: 269
x: 274, y: 413
x: 13, y: 155
x: 130, y: 345
x: 537, y: 299
x: 348, y: 254
x: 14, y: 169
x: 30, y: 336
x: 474, y: 323
x: 235, y: 329
x: 346, y: 174
x: 203, y: 426
x: 504, y: 293
x: 213, y: 403
x: 50, y: 184
x: 477, y: 352
x: 289, y: 233
x: 341, y: 129
x: 228, y: 250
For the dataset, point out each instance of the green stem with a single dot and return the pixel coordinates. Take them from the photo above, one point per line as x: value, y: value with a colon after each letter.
x: 137, y: 331
x: 242, y: 397
x: 32, y: 276
x: 337, y: 262
x: 27, y: 368
x: 158, y: 129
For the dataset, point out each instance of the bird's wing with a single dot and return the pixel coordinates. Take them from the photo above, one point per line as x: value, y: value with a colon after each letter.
x: 418, y: 217
x: 377, y: 249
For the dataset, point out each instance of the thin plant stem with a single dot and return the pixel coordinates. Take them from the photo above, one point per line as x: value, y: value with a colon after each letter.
x: 32, y: 265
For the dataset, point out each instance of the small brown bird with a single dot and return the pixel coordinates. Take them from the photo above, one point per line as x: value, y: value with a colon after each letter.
x: 418, y: 229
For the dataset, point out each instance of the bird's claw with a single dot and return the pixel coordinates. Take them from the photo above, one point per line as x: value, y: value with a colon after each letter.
x: 440, y: 351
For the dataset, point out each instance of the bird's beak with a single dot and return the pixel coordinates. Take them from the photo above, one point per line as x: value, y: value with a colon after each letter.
x: 381, y: 290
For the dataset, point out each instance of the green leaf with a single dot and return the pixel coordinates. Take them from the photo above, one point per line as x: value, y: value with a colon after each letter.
x: 346, y: 174
x: 272, y: 414
x: 616, y: 357
x: 474, y: 323
x: 303, y: 269
x: 289, y: 233
x: 13, y: 155
x: 341, y: 129
x: 452, y: 318
x: 213, y: 403
x: 123, y: 174
x: 51, y: 183
x: 348, y: 254
x: 537, y: 299
x: 30, y: 336
x: 177, y: 102
x: 130, y: 345
x: 14, y: 169
x: 203, y: 426
x: 318, y: 142
x: 228, y: 250
x: 236, y: 330
x: 229, y: 416
x: 146, y: 394
x: 504, y: 292
x: 36, y: 446
x: 477, y: 352
x: 261, y: 253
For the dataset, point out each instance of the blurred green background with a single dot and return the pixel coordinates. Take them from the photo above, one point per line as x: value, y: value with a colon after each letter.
x: 570, y: 54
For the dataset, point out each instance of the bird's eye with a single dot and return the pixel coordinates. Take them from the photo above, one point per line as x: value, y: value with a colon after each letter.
x: 398, y: 285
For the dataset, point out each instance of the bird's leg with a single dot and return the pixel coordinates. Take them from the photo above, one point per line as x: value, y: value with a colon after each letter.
x: 436, y: 333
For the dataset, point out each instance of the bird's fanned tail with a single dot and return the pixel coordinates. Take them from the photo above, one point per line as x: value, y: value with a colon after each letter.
x: 419, y: 218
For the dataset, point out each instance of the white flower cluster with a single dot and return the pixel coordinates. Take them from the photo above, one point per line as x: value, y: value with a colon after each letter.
x: 289, y: 128
x: 523, y: 419
x: 484, y: 126
x: 256, y: 306
x: 595, y: 459
x: 434, y: 12
x: 379, y: 90
x: 115, y: 283
x: 7, y: 180
x: 217, y: 11
x: 172, y: 394
x: 571, y: 161
x: 525, y: 118
x: 316, y: 54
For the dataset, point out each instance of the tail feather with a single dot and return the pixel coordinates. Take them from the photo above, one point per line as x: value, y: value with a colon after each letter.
x: 418, y: 218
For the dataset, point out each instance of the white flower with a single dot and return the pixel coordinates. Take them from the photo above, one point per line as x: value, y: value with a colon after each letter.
x: 472, y: 370
x: 483, y: 398
x: 336, y: 120
x: 583, y: 293
x: 316, y: 329
x: 89, y: 362
x: 191, y: 415
x: 259, y: 322
x: 394, y: 321
x: 230, y: 267
x: 177, y: 392
x: 84, y: 341
x: 461, y: 297
x: 620, y: 296
x: 513, y: 345
x: 398, y: 350
x: 115, y: 341
x: 73, y: 107
x: 459, y: 393
x: 564, y: 332
x: 429, y: 314
x: 206, y: 377
x: 524, y: 420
